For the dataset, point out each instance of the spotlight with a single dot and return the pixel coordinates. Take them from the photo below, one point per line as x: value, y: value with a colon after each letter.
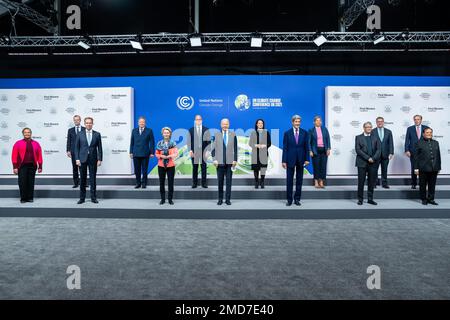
x: 320, y: 40
x: 195, y: 40
x: 84, y: 45
x: 85, y: 42
x: 256, y: 40
x: 378, y: 40
x: 136, y: 45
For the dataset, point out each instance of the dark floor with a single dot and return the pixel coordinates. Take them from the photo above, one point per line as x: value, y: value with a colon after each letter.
x: 224, y: 259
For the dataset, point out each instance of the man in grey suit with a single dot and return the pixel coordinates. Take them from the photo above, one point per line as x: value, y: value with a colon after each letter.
x: 88, y: 154
x: 224, y: 156
x: 368, y: 153
x: 387, y: 149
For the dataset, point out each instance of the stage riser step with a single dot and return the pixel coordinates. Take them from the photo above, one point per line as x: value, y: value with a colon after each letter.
x: 211, y: 194
x: 211, y: 181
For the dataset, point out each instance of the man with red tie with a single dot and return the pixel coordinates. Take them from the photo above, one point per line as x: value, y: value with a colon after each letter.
x: 295, y: 158
x: 413, y: 135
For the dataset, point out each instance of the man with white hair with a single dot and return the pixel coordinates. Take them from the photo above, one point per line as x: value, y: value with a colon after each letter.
x: 224, y: 155
x: 295, y: 158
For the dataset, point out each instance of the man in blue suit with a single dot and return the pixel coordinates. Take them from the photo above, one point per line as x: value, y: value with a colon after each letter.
x: 413, y: 135
x: 88, y: 154
x: 295, y: 158
x: 142, y: 147
x: 70, y: 148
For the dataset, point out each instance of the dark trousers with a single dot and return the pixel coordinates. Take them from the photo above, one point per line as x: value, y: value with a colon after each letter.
x: 319, y: 162
x: 26, y: 175
x: 384, y: 163
x: 92, y: 165
x: 224, y: 172
x: 195, y: 171
x: 162, y: 172
x: 371, y: 172
x: 75, y: 170
x: 413, y: 175
x: 427, y: 179
x: 140, y: 169
x: 298, y: 170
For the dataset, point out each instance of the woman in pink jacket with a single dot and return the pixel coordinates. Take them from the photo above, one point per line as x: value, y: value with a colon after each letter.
x: 26, y: 159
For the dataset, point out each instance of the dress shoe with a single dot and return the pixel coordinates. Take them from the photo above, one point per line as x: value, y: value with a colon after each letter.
x: 360, y: 202
x: 434, y: 203
x: 219, y: 203
x: 144, y: 186
x: 261, y: 184
x: 297, y: 203
x: 386, y: 186
x: 288, y: 204
x: 162, y: 201
x: 94, y: 200
x: 80, y: 201
x: 137, y: 186
x: 194, y: 186
x: 424, y: 202
x: 372, y: 202
x: 204, y: 186
x: 23, y: 201
x: 228, y: 202
x: 31, y: 200
x: 75, y: 186
x: 170, y: 202
x: 413, y: 187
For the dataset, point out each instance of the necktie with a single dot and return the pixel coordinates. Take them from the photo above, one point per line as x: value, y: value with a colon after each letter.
x: 369, y: 146
x: 140, y: 131
x: 199, y: 137
x: 381, y: 133
x: 418, y: 132
x: 225, y: 138
x: 89, y: 138
x: 77, y: 131
x: 296, y: 136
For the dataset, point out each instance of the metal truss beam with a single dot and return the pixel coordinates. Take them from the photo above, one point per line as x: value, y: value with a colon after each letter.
x: 30, y: 14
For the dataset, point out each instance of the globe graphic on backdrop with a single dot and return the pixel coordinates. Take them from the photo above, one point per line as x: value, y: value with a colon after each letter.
x: 242, y: 102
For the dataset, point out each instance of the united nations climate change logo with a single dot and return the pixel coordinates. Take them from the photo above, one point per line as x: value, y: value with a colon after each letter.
x: 242, y: 102
x: 185, y: 102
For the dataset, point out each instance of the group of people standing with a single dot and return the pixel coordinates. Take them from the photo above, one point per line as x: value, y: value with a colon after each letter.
x: 374, y: 148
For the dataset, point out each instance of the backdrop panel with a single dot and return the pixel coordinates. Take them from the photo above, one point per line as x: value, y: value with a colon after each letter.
x: 347, y: 108
x: 48, y: 112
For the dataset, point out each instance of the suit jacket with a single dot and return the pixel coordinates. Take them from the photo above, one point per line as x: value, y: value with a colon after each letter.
x: 295, y: 153
x: 313, y: 139
x: 192, y: 140
x: 411, y: 138
x: 83, y: 150
x: 362, y: 150
x: 427, y: 157
x: 71, y: 137
x: 142, y: 145
x: 225, y: 154
x: 387, y: 145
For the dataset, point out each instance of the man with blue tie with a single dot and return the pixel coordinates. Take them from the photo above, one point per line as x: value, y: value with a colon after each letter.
x: 142, y: 147
x: 295, y: 158
x: 72, y: 134
x: 88, y: 154
x: 413, y: 135
x: 387, y: 149
x: 224, y: 156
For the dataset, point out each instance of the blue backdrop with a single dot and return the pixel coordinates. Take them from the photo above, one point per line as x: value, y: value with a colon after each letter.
x: 156, y: 97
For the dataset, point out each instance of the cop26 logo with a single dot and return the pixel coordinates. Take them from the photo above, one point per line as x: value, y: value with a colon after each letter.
x: 185, y: 102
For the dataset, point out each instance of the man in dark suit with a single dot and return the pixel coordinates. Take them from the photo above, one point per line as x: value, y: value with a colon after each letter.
x: 198, y: 144
x: 368, y: 153
x: 71, y: 137
x: 88, y: 154
x: 295, y: 158
x: 387, y: 149
x: 427, y: 164
x: 413, y: 135
x: 142, y: 147
x: 225, y: 154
